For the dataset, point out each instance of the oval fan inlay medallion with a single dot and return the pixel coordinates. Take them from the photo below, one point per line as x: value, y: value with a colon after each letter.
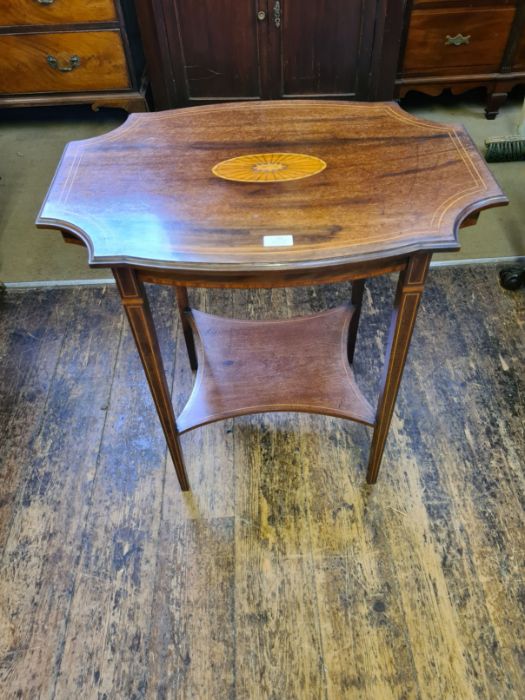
x: 269, y: 167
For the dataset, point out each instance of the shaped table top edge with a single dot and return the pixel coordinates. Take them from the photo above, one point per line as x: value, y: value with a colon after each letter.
x: 494, y: 196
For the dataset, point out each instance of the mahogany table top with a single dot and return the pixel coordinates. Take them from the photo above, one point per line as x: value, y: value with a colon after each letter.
x: 324, y: 183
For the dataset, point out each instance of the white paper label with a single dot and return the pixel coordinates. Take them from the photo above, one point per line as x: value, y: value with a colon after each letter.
x: 274, y: 241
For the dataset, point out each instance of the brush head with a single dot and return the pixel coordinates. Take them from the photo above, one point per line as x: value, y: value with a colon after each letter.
x: 505, y: 148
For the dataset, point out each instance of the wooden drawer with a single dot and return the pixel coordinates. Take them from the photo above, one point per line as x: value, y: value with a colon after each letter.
x: 427, y: 51
x: 25, y: 62
x: 24, y: 12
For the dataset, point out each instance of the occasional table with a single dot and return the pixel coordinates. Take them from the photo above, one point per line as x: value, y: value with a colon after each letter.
x: 270, y: 194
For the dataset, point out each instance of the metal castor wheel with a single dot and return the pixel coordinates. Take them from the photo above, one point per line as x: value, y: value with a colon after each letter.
x: 512, y: 277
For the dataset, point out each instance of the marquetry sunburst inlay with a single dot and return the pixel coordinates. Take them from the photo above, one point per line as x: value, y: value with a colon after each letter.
x: 269, y: 167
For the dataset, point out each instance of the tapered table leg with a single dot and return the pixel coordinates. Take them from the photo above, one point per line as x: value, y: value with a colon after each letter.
x: 184, y: 312
x: 138, y: 312
x: 408, y: 295
x: 358, y: 287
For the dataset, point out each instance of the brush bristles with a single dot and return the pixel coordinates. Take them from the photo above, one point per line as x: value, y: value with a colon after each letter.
x: 505, y: 149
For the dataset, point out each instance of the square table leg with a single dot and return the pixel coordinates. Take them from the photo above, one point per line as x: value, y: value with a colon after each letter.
x: 135, y: 302
x: 358, y: 288
x: 185, y: 311
x: 408, y: 295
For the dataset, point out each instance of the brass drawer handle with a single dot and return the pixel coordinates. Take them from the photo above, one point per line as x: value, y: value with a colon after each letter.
x: 457, y: 40
x: 277, y: 14
x: 74, y: 62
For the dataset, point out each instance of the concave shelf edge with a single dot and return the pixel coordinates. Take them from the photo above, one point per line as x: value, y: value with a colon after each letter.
x: 290, y: 365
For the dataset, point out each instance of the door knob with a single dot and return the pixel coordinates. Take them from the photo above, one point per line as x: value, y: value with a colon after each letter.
x: 261, y: 15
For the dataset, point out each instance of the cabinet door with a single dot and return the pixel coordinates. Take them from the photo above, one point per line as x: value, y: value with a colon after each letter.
x: 218, y: 55
x: 214, y: 50
x: 322, y: 47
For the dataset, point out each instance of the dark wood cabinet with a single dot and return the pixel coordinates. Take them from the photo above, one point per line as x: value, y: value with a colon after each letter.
x: 462, y: 44
x: 218, y: 50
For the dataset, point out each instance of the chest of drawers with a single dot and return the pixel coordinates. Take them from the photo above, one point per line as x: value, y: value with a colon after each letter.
x: 71, y: 51
x: 460, y: 45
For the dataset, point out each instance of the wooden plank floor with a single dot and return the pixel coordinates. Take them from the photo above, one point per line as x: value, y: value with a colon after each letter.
x: 281, y: 575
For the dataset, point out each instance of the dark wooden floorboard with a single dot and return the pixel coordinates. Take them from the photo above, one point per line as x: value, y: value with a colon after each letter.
x: 32, y: 332
x: 281, y: 575
x: 113, y: 593
x: 42, y: 548
x: 194, y: 591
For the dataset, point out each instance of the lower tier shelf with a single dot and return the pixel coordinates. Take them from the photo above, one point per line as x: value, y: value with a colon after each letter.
x: 299, y: 364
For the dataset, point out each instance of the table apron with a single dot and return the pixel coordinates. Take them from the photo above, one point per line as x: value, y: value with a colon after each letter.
x: 272, y: 278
